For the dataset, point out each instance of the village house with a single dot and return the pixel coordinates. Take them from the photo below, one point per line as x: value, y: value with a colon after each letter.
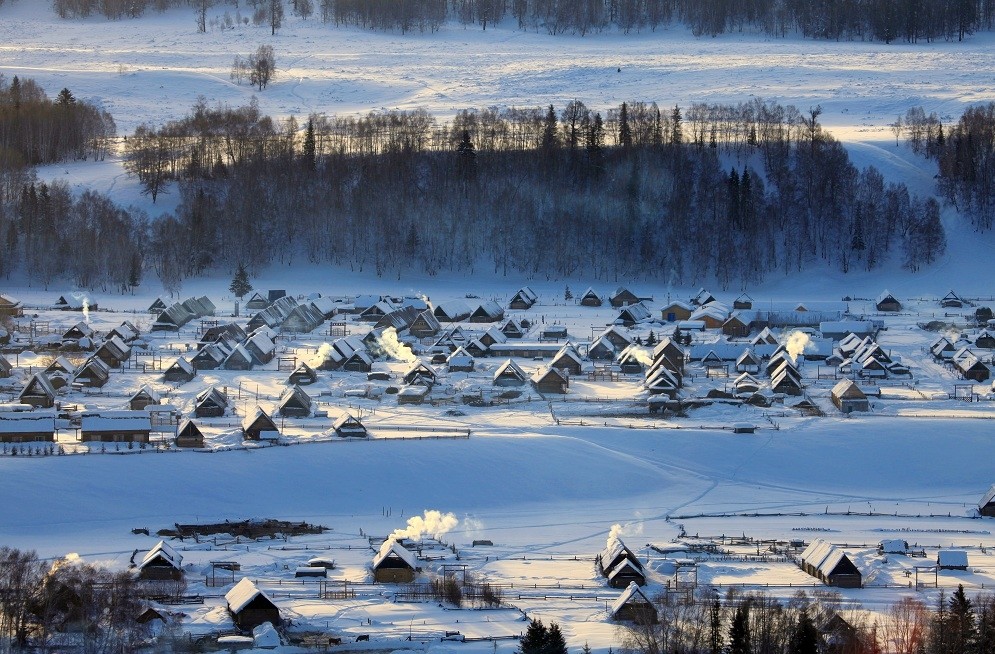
x: 550, y: 380
x: 258, y: 426
x: 94, y: 373
x: 349, y: 426
x: 189, y: 435
x: 295, y: 403
x: 622, y: 297
x: 143, y: 397
x: 509, y: 373
x: 115, y: 427
x: 393, y: 564
x: 303, y: 375
x: 676, y: 310
x: 161, y: 563
x: 848, y: 397
x: 887, y: 302
x: 524, y: 299
x: 590, y: 299
x: 250, y: 607
x: 38, y: 392
x: 27, y: 426
x: 633, y: 606
x: 180, y: 371
x: 830, y: 564
x: 211, y: 403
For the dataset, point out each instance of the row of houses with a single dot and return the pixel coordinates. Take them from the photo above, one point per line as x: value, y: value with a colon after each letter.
x: 175, y: 316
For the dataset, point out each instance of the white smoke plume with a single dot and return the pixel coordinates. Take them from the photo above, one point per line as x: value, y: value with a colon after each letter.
x: 324, y: 350
x: 432, y: 523
x: 796, y: 343
x: 86, y: 306
x: 472, y: 526
x: 641, y: 355
x: 628, y: 529
x: 394, y: 347
x: 69, y: 559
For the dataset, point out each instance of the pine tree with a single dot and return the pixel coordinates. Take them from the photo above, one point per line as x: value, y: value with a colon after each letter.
x: 963, y: 627
x: 676, y: 135
x: 466, y: 157
x: 739, y: 631
x: 309, y: 151
x: 554, y: 643
x: 715, y: 627
x: 240, y: 282
x: 568, y: 294
x: 624, y: 129
x: 805, y: 637
x: 550, y: 128
x: 135, y: 272
x: 534, y: 639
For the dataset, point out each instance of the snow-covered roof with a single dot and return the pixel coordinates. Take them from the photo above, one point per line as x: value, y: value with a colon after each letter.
x: 459, y: 357
x: 348, y: 422
x: 509, y: 367
x: 631, y: 591
x: 894, y: 546
x: 952, y: 558
x: 987, y: 498
x: 116, y: 421
x: 263, y: 343
x: 242, y: 594
x: 164, y: 550
x: 544, y: 372
x: 392, y: 549
x: 28, y: 422
x: 147, y: 391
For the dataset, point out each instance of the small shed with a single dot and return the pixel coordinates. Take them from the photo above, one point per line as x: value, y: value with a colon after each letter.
x: 893, y: 546
x: 952, y: 559
x: 675, y: 311
x: 622, y: 297
x: 211, y: 403
x: 394, y: 564
x: 633, y: 606
x: 250, y: 607
x: 259, y: 426
x: 349, y: 426
x: 143, y: 397
x: 189, y: 435
x: 94, y: 373
x: 413, y: 394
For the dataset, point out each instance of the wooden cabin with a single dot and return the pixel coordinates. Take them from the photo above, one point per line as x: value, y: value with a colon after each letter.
x: 143, y: 397
x: 359, y: 361
x: 952, y: 301
x: 633, y: 314
x: 622, y: 297
x: 550, y: 380
x: 94, y: 373
x: 524, y: 299
x: 349, y: 426
x: 633, y: 606
x: 951, y: 559
x: 211, y: 403
x: 250, y: 607
x: 10, y: 306
x: 303, y: 375
x: 487, y: 311
x: 113, y: 352
x: 239, y: 359
x: 510, y: 373
x: 413, y: 393
x: 158, y: 306
x: 513, y: 329
x: 675, y: 311
x: 830, y: 564
x: 27, y: 426
x: 161, y: 563
x: 259, y: 426
x: 590, y: 299
x: 261, y: 347
x: 38, y: 392
x: 460, y: 360
x: 425, y: 325
x: 887, y: 302
x: 179, y: 371
x: 393, y: 564
x: 847, y: 397
x: 256, y: 302
x: 568, y: 360
x: 295, y: 403
x: 189, y: 435
x: 74, y: 302
x: 419, y: 374
x: 115, y: 427
x: 452, y: 311
x: 744, y: 301
x: 126, y: 331
x: 5, y: 367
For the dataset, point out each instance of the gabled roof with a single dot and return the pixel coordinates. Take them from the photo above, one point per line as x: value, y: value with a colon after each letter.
x: 568, y: 351
x: 748, y: 357
x: 488, y: 309
x: 60, y: 364
x: 987, y: 498
x: 392, y: 549
x: 510, y: 368
x: 847, y: 389
x: 636, y: 312
x: 631, y: 592
x: 459, y: 357
x: 116, y: 421
x: 259, y: 419
x: 166, y: 552
x: 147, y: 392
x: 39, y: 384
x: 242, y: 594
x: 452, y: 310
x: 542, y: 373
x: 239, y: 353
x: 295, y: 397
x: 526, y: 295
x: 347, y: 421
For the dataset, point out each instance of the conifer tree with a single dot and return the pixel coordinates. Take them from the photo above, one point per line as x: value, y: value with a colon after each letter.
x: 240, y: 282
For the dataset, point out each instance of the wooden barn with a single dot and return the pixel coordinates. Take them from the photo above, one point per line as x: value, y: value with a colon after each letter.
x: 158, y: 306
x: 622, y: 297
x: 143, y: 397
x: 830, y: 564
x: 590, y: 299
x: 27, y: 426
x: 419, y: 374
x: 94, y: 373
x: 509, y: 373
x: 303, y: 375
x: 887, y: 302
x: 459, y: 360
x: 115, y: 427
x: 259, y: 426
x: 633, y: 314
x: 38, y: 392
x: 239, y: 359
x: 179, y: 371
x: 349, y: 426
x: 161, y: 563
x: 550, y: 380
x: 250, y: 607
x: 393, y: 564
x: 211, y: 403
x: 952, y: 301
x: 359, y: 361
x: 633, y: 606
x: 295, y: 403
x: 189, y: 435
x: 744, y: 301
x: 512, y: 328
x: 848, y: 397
x: 256, y: 302
x: 425, y: 325
x: 523, y: 299
x: 74, y: 302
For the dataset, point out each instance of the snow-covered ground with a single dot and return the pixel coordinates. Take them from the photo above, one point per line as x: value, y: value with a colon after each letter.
x: 543, y: 492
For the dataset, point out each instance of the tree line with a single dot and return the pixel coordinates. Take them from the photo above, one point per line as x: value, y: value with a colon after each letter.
x: 884, y: 20
x: 636, y: 192
x: 965, y: 156
x: 35, y: 129
x: 757, y: 623
x: 40, y: 601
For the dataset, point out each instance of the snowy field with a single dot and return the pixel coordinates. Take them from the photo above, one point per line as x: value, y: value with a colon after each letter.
x: 543, y: 480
